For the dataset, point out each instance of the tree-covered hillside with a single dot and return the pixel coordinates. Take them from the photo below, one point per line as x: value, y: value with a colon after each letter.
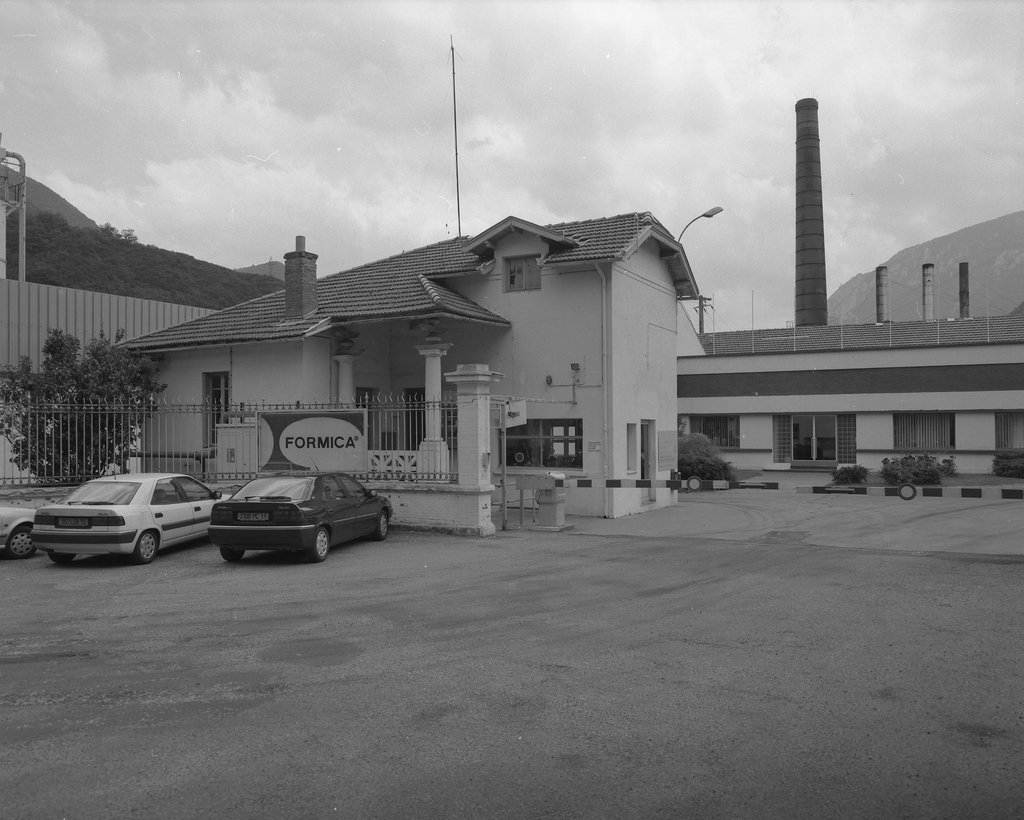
x: 106, y: 260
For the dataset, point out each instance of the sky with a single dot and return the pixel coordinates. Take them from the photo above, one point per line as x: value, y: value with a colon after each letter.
x: 224, y: 129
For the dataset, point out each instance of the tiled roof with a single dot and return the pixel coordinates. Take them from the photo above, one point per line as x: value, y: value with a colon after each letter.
x: 811, y: 338
x: 399, y: 286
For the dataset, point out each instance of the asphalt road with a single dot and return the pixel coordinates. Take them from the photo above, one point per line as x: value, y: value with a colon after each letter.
x: 738, y: 674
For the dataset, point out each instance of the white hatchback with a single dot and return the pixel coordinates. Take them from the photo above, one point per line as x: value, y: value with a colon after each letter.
x: 134, y: 515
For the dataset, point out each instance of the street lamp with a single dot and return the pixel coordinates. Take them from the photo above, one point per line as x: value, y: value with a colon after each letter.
x: 702, y: 300
x: 710, y: 212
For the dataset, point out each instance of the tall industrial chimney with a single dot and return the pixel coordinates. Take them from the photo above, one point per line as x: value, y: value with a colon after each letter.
x: 928, y: 292
x: 881, y: 294
x: 965, y: 291
x: 811, y: 295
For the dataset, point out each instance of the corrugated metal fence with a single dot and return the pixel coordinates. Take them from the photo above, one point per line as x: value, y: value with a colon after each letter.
x: 29, y: 310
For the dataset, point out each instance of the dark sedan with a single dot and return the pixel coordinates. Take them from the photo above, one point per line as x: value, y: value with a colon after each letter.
x: 298, y: 512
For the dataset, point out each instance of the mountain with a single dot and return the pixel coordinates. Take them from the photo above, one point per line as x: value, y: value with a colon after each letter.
x: 994, y: 250
x: 269, y: 268
x: 41, y: 199
x: 63, y: 247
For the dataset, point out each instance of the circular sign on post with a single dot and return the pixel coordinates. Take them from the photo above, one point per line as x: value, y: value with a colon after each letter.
x: 694, y: 484
x: 906, y: 491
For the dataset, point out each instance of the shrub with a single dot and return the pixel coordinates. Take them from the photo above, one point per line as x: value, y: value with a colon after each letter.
x: 1008, y: 465
x: 850, y: 474
x: 912, y: 469
x: 948, y: 466
x: 710, y: 469
x: 698, y: 456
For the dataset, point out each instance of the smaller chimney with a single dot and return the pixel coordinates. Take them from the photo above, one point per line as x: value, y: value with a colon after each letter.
x: 299, y: 281
x: 928, y: 292
x: 881, y: 294
x: 965, y: 291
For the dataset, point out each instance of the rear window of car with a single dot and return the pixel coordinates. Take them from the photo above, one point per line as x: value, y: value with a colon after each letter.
x: 103, y: 492
x: 291, y: 487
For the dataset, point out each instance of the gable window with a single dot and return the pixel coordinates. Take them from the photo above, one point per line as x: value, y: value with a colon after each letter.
x: 522, y: 273
x: 924, y: 431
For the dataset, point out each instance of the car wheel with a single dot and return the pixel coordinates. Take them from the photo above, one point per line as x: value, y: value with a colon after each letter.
x: 321, y: 546
x: 61, y: 557
x: 145, y: 548
x: 229, y: 554
x: 380, y: 532
x: 19, y: 543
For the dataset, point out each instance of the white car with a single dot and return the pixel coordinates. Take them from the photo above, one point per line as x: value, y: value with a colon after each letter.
x: 16, y: 532
x: 134, y: 514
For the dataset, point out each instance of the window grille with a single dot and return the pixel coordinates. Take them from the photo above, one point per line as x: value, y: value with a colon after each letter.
x: 782, y: 439
x: 846, y: 434
x: 924, y: 431
x: 724, y: 431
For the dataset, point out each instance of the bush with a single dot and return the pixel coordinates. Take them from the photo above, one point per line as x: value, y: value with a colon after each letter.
x: 1008, y: 465
x: 850, y: 474
x: 698, y: 456
x: 948, y: 466
x: 710, y: 469
x: 915, y: 469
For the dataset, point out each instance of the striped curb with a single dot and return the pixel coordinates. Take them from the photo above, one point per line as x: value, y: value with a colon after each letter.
x: 669, y: 484
x: 909, y: 491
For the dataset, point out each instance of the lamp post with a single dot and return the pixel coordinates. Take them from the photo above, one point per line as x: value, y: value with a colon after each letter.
x: 710, y: 212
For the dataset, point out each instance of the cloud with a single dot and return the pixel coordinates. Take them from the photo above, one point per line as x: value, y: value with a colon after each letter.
x: 222, y: 129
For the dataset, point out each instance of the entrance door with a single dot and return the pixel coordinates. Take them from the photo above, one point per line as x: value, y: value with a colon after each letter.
x: 814, y: 440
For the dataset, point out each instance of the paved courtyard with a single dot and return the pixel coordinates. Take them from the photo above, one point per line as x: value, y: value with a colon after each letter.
x: 746, y: 654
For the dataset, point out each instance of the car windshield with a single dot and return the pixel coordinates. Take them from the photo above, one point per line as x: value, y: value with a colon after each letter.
x: 279, y: 488
x: 103, y: 492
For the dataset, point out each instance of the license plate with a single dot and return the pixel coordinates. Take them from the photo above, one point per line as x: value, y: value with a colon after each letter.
x: 253, y: 516
x: 72, y: 522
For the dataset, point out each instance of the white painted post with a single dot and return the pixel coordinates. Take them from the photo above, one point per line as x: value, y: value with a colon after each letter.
x: 346, y: 377
x: 433, y: 456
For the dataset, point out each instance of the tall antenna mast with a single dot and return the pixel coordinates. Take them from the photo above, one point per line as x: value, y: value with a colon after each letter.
x: 455, y: 117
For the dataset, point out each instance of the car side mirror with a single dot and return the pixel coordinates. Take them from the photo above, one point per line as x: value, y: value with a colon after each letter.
x: 218, y: 494
x: 371, y: 493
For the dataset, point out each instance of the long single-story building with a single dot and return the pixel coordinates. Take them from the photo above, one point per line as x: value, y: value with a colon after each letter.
x: 821, y: 396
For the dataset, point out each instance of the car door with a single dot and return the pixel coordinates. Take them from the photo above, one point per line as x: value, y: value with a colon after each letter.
x: 340, y: 506
x: 171, y: 511
x: 364, y: 508
x: 200, y: 497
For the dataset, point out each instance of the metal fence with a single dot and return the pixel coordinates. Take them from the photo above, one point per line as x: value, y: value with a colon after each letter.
x: 47, y: 444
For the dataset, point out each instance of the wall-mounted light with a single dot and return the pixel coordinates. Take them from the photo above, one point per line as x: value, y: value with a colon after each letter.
x: 575, y: 366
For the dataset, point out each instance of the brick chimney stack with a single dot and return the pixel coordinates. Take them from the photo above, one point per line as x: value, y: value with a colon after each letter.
x: 299, y: 281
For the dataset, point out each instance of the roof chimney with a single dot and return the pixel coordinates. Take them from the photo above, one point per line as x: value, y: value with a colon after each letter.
x: 965, y: 291
x: 811, y: 295
x: 299, y: 281
x: 881, y: 294
x: 928, y: 292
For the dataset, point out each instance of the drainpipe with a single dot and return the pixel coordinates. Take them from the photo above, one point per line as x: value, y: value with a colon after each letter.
x: 606, y: 409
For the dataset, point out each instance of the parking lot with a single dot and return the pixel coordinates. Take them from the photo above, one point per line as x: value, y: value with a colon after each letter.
x: 747, y: 654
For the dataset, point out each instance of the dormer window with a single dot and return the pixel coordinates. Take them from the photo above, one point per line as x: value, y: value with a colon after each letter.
x: 522, y: 273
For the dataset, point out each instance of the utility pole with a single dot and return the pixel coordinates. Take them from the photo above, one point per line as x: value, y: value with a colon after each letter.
x: 701, y: 301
